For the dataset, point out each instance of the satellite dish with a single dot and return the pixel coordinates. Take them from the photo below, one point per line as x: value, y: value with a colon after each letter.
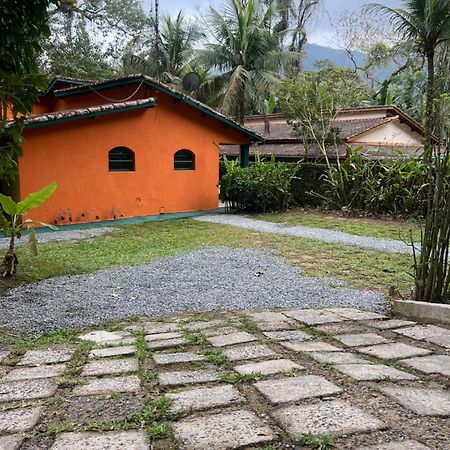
x: 191, y: 81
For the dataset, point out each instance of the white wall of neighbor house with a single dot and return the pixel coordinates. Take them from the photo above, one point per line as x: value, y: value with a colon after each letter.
x: 392, y: 133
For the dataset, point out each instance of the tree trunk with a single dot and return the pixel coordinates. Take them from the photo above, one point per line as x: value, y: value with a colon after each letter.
x: 9, y: 264
x: 429, y: 110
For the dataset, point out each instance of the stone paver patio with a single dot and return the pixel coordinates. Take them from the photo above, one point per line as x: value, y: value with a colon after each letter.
x: 217, y: 382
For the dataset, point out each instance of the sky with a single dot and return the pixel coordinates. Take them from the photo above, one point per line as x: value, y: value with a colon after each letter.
x: 320, y: 29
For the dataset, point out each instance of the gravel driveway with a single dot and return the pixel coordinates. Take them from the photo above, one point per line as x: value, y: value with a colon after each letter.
x: 217, y: 279
x: 330, y: 236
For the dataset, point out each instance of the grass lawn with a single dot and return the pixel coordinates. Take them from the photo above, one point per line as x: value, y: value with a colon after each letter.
x: 137, y: 244
x: 380, y: 228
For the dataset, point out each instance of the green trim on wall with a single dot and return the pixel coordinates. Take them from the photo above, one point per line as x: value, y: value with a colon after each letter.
x: 149, y: 104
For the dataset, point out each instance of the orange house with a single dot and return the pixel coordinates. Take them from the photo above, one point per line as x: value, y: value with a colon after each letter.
x: 124, y: 148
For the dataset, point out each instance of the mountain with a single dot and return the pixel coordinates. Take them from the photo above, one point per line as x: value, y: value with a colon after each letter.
x: 315, y: 53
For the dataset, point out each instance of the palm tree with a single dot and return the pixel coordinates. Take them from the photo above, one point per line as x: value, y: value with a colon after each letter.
x: 425, y: 25
x: 177, y: 38
x: 246, y: 53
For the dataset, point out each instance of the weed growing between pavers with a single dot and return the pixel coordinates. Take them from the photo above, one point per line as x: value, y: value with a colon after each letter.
x: 55, y: 338
x: 142, y: 350
x: 234, y: 378
x: 194, y: 337
x: 218, y: 358
x: 248, y: 325
x: 317, y: 441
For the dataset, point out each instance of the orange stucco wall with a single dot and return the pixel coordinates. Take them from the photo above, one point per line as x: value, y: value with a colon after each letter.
x: 75, y: 155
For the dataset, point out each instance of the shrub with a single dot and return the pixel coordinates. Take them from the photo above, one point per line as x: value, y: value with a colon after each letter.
x: 264, y: 186
x: 396, y: 186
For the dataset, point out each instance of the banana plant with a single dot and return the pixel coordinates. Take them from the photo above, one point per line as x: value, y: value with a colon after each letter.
x: 12, y: 224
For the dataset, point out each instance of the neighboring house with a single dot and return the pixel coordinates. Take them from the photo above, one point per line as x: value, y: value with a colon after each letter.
x: 126, y: 147
x: 382, y: 131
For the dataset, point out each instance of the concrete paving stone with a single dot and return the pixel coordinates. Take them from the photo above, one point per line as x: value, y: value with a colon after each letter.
x: 204, y: 398
x: 203, y: 325
x: 357, y: 314
x: 268, y: 316
x: 33, y: 373
x: 113, y: 351
x: 313, y: 317
x: 295, y: 335
x: 423, y: 402
x: 11, y: 442
x: 182, y: 377
x: 173, y: 358
x: 337, y: 358
x: 341, y: 328
x: 422, y: 332
x: 167, y: 343
x: 361, y: 339
x: 397, y: 445
x: 222, y: 431
x: 97, y: 386
x: 297, y: 388
x: 220, y: 331
x: 26, y: 390
x: 110, y: 367
x: 443, y: 341
x: 110, y: 440
x: 249, y: 352
x: 20, y: 419
x: 163, y: 336
x: 389, y: 324
x: 396, y: 350
x: 275, y: 326
x: 373, y: 372
x: 112, y: 338
x: 153, y: 327
x: 335, y: 418
x: 313, y: 346
x: 232, y: 339
x: 4, y: 354
x: 270, y: 367
x: 439, y: 364
x: 40, y: 357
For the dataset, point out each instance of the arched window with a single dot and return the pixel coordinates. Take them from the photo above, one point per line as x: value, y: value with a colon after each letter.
x: 184, y: 160
x: 121, y: 159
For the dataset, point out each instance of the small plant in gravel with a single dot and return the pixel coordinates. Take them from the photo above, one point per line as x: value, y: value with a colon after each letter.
x: 217, y: 358
x: 158, y: 430
x: 195, y: 337
x: 235, y: 378
x: 248, y: 325
x: 317, y: 441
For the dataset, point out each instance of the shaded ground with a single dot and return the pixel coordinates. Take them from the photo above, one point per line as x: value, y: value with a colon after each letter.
x: 217, y: 279
x: 273, y: 379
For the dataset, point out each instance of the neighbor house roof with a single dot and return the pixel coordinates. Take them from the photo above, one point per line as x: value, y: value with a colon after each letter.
x: 154, y: 84
x: 282, y: 140
x: 40, y: 120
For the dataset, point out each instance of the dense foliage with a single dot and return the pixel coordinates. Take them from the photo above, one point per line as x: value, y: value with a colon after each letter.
x: 397, y: 186
x: 264, y: 186
x: 23, y: 25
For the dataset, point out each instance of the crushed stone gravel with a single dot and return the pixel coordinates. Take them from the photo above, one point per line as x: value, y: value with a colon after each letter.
x: 60, y: 235
x: 330, y: 236
x: 217, y: 279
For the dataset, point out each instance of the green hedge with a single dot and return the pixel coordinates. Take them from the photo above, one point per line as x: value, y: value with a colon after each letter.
x: 308, y: 187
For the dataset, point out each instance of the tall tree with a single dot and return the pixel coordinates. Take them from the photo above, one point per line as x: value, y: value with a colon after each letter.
x: 23, y: 26
x: 167, y: 61
x: 246, y: 52
x: 425, y: 25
